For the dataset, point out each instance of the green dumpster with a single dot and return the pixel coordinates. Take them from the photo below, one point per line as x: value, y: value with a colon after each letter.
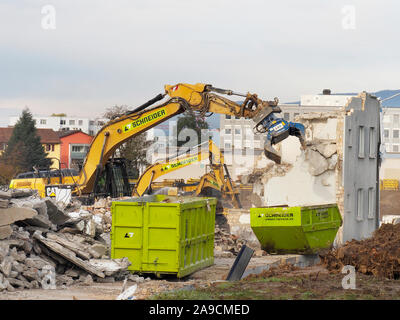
x: 163, y: 234
x: 302, y: 230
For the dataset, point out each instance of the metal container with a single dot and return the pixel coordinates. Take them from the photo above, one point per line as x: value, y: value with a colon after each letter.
x: 302, y: 230
x: 163, y: 234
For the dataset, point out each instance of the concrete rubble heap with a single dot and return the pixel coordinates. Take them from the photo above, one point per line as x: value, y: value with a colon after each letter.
x: 38, y: 235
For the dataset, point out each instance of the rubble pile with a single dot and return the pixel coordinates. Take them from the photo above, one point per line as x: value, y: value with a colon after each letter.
x: 42, y: 244
x: 378, y: 255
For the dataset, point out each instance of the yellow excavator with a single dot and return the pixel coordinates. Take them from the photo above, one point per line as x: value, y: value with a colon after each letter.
x: 201, y: 98
x: 217, y: 179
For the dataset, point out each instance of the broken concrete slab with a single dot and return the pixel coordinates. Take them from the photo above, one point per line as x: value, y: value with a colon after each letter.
x: 4, y: 203
x: 22, y: 193
x: 79, y: 249
x: 326, y: 149
x: 41, y: 208
x: 13, y: 214
x: 5, y: 232
x: 54, y: 213
x: 40, y: 221
x: 317, y: 163
x: 110, y: 267
x: 6, y: 266
x: 5, y: 194
x: 68, y: 255
x: 97, y: 250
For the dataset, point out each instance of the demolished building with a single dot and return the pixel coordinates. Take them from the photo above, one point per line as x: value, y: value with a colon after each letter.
x: 340, y: 164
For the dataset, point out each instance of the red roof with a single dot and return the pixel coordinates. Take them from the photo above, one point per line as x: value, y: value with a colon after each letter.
x: 65, y: 133
x: 46, y: 135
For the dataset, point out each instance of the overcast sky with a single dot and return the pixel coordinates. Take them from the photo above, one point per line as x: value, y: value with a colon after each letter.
x: 103, y: 53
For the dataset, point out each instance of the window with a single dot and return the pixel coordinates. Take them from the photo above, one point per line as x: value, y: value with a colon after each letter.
x: 43, y: 121
x: 62, y: 122
x: 371, y: 203
x: 228, y: 146
x: 91, y: 132
x: 100, y: 123
x: 49, y: 147
x: 361, y: 142
x: 91, y: 122
x: 395, y: 148
x: 228, y: 117
x: 296, y: 114
x: 349, y: 137
x: 386, y: 133
x: 360, y: 202
x: 237, y: 131
x: 372, y: 142
x: 71, y: 122
x: 286, y: 116
x: 396, y: 118
x: 77, y: 148
x: 80, y: 122
x: 395, y: 133
x: 237, y: 118
x: 228, y: 131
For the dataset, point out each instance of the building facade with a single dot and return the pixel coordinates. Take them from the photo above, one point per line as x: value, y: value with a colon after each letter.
x: 391, y: 129
x: 48, y: 137
x: 64, y: 123
x: 74, y: 147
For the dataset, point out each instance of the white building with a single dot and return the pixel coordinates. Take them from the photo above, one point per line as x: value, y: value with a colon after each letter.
x: 391, y: 129
x: 61, y: 123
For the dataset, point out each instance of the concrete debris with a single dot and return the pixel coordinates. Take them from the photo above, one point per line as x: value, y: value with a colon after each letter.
x: 56, y: 216
x: 5, y: 232
x: 5, y: 194
x: 42, y: 240
x: 13, y: 214
x: 128, y: 294
x: 317, y: 163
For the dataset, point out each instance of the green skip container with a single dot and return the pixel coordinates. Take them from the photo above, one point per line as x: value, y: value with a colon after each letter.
x: 303, y: 230
x: 162, y: 234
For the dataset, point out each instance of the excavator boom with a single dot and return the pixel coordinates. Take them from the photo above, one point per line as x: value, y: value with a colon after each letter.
x: 202, y: 98
x: 215, y: 179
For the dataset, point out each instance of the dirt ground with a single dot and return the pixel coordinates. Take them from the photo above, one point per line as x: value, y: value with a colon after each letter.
x: 389, y: 202
x: 284, y: 282
x: 312, y: 283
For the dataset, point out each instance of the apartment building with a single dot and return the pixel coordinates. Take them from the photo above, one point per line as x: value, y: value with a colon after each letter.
x: 391, y: 129
x: 64, y: 123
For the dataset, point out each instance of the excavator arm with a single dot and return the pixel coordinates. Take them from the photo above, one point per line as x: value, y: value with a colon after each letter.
x: 215, y: 179
x: 159, y: 169
x: 202, y: 98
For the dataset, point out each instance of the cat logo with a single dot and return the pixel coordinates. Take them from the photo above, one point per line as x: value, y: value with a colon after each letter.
x: 51, y: 192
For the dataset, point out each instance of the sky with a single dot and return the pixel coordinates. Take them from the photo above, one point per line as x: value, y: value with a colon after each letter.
x: 80, y: 57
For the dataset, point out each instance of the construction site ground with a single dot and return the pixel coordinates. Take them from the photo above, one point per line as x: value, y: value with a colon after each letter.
x: 313, y: 282
x: 389, y: 202
x: 279, y: 282
x: 266, y: 277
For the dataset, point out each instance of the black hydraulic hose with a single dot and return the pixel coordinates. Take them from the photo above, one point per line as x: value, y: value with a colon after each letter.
x: 148, y: 103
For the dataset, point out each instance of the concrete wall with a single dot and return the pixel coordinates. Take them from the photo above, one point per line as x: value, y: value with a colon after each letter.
x: 360, y: 179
